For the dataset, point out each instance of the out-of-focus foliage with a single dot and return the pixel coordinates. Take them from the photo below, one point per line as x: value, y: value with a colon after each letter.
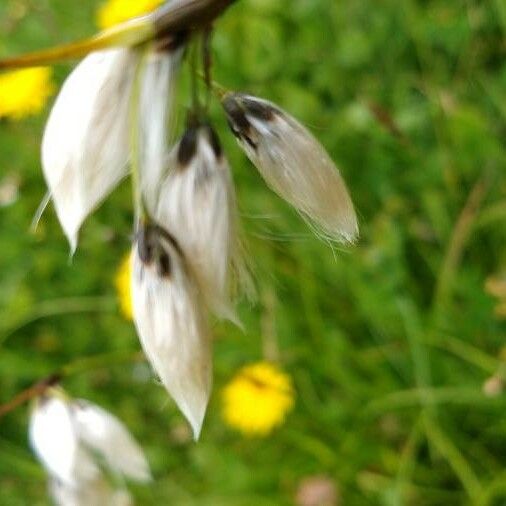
x: 389, y: 343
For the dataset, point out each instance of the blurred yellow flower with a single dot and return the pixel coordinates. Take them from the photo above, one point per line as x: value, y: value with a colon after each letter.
x: 258, y: 399
x: 113, y: 12
x: 25, y: 92
x: 122, y: 283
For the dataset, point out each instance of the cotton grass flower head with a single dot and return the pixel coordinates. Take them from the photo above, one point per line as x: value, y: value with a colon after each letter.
x: 257, y: 399
x: 113, y: 12
x: 171, y: 321
x: 123, y: 286
x: 25, y: 92
x: 294, y: 164
x: 115, y: 117
x: 73, y: 438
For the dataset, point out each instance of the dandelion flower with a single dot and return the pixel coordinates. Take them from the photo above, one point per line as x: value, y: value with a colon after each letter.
x: 25, y: 92
x: 258, y: 399
x: 116, y: 11
x: 122, y: 283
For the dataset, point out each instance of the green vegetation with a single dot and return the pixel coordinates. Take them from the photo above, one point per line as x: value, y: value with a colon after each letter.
x: 389, y: 343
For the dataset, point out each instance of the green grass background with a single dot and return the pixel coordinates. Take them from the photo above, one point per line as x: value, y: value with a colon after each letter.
x: 388, y: 343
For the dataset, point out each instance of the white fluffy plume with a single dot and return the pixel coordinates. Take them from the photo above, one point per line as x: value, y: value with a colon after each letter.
x: 171, y: 322
x: 197, y: 204
x: 85, y: 147
x: 86, y: 144
x: 68, y: 435
x: 294, y: 164
x: 56, y: 443
x: 106, y: 435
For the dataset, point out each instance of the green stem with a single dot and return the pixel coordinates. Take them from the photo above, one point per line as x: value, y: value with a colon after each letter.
x: 101, y: 361
x: 455, y: 459
x: 194, y: 66
x: 407, y: 462
x: 139, y: 209
x: 57, y: 307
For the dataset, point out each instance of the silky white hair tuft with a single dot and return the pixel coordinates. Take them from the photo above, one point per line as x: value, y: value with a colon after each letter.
x: 197, y: 203
x: 293, y: 164
x: 171, y: 321
x: 85, y: 148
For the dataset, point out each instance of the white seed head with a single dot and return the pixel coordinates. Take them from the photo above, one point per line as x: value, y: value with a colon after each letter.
x: 294, y: 164
x: 55, y: 441
x: 104, y: 434
x: 69, y: 436
x: 158, y: 90
x: 197, y: 204
x: 85, y: 145
x: 171, y: 322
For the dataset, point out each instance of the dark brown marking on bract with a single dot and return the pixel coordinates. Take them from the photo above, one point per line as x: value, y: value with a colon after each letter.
x: 259, y: 110
x: 146, y: 243
x: 164, y: 265
x: 214, y: 141
x: 169, y: 237
x: 236, y: 115
x: 187, y: 147
x: 237, y: 120
x: 170, y: 42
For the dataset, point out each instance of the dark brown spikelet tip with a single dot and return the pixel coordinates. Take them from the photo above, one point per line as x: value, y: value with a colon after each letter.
x: 187, y: 146
x: 237, y: 120
x: 170, y: 42
x: 259, y: 110
x: 52, y: 380
x: 214, y: 141
x: 164, y: 265
x: 170, y: 238
x: 146, y: 243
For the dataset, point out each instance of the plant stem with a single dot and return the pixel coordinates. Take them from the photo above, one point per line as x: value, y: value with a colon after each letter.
x: 77, y: 367
x: 135, y: 99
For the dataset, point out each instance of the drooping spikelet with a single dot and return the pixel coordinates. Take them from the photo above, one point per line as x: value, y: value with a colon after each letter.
x: 171, y: 321
x: 294, y: 164
x: 197, y: 203
x: 68, y: 436
x: 85, y: 146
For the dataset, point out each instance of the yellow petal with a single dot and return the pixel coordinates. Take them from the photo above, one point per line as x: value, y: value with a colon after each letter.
x: 258, y: 399
x: 25, y: 92
x: 117, y: 11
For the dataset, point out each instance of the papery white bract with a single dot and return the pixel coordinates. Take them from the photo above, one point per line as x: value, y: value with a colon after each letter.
x: 294, y: 164
x: 74, y: 438
x: 171, y: 322
x: 85, y: 148
x: 158, y: 88
x: 103, y: 433
x: 197, y: 203
x: 54, y: 439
